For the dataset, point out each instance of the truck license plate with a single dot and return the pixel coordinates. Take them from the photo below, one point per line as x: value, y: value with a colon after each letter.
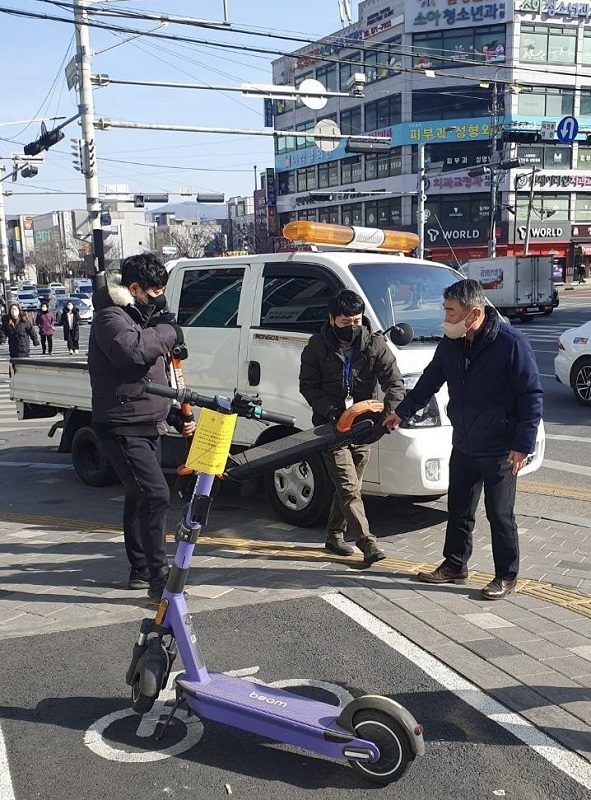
x: 531, y: 308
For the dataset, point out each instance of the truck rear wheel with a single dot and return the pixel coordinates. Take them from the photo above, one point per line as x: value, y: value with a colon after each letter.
x: 89, y: 460
x: 301, y: 494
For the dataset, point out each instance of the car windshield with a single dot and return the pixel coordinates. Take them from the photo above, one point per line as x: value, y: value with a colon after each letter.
x: 26, y: 296
x: 407, y: 291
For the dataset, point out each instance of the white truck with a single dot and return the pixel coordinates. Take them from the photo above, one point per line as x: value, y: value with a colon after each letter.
x: 520, y: 287
x: 246, y: 320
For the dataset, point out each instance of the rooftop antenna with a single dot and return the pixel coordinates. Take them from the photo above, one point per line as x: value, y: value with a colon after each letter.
x: 345, y: 12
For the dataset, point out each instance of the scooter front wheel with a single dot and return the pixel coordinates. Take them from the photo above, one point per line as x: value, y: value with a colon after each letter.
x: 396, y: 753
x: 141, y: 703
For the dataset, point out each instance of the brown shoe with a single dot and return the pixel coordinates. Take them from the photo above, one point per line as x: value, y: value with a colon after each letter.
x: 444, y: 574
x: 498, y: 588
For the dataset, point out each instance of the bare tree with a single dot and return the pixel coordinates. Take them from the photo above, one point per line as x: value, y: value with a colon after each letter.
x: 191, y: 240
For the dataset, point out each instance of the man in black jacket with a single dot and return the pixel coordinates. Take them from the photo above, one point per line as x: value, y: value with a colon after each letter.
x: 340, y: 366
x: 131, y: 335
x: 495, y: 407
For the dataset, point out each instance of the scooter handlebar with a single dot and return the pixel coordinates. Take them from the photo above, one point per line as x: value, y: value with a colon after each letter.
x: 249, y: 407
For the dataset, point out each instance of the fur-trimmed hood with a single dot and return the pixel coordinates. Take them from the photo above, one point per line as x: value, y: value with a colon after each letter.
x: 113, y: 294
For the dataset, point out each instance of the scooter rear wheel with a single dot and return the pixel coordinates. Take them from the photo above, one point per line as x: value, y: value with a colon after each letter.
x: 396, y: 753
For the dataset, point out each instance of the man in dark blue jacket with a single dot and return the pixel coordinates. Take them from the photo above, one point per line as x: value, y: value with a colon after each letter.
x: 495, y: 407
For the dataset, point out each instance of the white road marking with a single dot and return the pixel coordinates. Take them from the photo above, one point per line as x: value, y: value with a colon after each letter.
x: 6, y: 788
x: 559, y: 437
x: 570, y: 763
x: 562, y: 466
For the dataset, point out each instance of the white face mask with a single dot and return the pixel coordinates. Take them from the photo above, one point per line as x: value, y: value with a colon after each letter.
x: 456, y: 330
x: 14, y: 313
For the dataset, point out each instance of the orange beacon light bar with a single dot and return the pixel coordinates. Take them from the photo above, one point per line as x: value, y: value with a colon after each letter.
x: 351, y: 236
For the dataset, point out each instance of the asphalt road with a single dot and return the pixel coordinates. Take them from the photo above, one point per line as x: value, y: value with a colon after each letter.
x: 56, y: 687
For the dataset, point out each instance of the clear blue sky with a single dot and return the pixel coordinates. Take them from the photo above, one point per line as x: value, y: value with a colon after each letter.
x: 32, y: 84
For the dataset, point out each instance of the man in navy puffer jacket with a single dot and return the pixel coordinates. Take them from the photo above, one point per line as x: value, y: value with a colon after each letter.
x: 495, y: 407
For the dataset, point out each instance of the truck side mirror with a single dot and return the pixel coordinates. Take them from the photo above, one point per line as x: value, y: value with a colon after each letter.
x: 400, y: 335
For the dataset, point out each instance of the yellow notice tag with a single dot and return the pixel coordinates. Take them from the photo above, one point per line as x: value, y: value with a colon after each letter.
x: 211, y: 442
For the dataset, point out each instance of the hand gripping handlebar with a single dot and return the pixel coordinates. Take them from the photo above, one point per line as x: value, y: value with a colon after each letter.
x: 243, y: 405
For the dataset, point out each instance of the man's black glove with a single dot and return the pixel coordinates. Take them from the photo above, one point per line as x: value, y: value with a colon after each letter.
x: 165, y: 317
x: 180, y: 336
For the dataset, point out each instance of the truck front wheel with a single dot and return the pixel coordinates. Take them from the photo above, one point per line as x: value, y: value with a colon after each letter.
x: 301, y: 494
x: 89, y: 460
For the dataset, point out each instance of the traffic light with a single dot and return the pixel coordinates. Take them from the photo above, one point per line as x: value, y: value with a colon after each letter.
x: 522, y: 137
x: 367, y: 145
x: 29, y: 171
x: 77, y: 155
x: 44, y: 142
x: 139, y: 200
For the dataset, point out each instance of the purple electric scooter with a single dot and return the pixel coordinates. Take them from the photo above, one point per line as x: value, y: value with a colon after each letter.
x: 377, y: 736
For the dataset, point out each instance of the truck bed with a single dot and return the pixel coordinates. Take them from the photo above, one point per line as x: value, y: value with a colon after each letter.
x: 50, y: 383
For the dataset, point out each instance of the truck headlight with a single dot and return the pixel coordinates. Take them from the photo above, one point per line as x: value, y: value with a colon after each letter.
x: 427, y: 417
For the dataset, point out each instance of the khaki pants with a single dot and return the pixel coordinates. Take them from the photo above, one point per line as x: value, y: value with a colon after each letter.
x: 345, y: 466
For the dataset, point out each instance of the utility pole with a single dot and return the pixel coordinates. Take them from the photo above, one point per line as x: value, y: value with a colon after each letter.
x: 422, y: 197
x: 4, y: 263
x: 530, y: 202
x: 86, y: 110
x: 492, y: 221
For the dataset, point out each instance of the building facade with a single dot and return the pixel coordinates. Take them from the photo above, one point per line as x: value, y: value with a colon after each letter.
x: 456, y: 79
x: 241, y: 224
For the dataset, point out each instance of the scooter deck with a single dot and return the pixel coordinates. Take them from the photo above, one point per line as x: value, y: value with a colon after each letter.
x: 283, y: 452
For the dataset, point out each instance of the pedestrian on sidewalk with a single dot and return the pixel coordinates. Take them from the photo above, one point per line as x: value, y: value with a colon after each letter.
x: 131, y: 335
x: 341, y: 365
x: 17, y: 329
x: 581, y: 273
x: 71, y: 326
x: 45, y: 321
x: 495, y: 407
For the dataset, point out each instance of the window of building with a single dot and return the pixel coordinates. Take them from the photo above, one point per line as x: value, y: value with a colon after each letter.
x: 548, y: 44
x: 286, y: 182
x: 441, y: 49
x: 457, y: 155
x: 583, y: 208
x: 351, y: 169
x: 456, y: 102
x: 306, y: 179
x: 210, y: 298
x: 371, y: 214
x: 383, y: 113
x: 389, y: 212
x: 585, y: 110
x: 322, y: 176
x: 462, y: 209
x: 586, y: 54
x: 333, y: 173
x: 296, y: 302
x: 304, y: 141
x: 383, y: 60
x: 543, y: 206
x: 584, y: 158
x: 297, y: 81
x: 351, y: 121
x: 327, y: 76
x: 550, y: 157
x: 348, y: 69
x: 371, y: 167
x: 552, y: 102
x: 351, y: 214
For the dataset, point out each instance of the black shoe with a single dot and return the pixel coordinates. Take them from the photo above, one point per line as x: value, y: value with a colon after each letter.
x: 335, y: 543
x: 138, y: 579
x: 371, y: 551
x: 444, y: 574
x: 499, y: 588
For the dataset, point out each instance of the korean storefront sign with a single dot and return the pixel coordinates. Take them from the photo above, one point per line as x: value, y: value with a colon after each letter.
x: 431, y: 15
x: 554, y: 8
x: 552, y: 181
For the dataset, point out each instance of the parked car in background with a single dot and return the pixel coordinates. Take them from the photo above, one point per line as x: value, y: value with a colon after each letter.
x: 572, y: 365
x: 43, y: 292
x: 57, y: 285
x: 58, y: 304
x: 28, y: 301
x: 27, y: 287
x: 84, y: 296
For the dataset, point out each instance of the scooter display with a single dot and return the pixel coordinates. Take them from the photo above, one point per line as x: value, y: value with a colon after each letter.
x: 376, y: 735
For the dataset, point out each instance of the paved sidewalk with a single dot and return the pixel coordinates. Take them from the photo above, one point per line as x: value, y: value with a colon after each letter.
x: 531, y: 651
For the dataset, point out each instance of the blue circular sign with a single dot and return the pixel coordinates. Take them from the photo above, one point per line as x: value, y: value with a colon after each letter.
x: 567, y: 129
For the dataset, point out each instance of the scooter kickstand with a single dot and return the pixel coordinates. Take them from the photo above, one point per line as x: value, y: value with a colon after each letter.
x: 177, y: 702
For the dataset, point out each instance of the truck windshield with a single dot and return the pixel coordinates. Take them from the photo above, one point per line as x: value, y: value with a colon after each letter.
x: 406, y: 292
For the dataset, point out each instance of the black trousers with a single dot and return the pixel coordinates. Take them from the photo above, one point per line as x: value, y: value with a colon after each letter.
x: 46, y: 342
x: 136, y: 460
x: 467, y: 476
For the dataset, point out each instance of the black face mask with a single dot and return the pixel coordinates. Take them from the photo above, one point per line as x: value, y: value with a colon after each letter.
x: 158, y: 303
x: 347, y: 333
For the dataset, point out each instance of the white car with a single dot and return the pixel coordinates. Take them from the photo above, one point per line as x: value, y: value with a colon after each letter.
x: 572, y: 365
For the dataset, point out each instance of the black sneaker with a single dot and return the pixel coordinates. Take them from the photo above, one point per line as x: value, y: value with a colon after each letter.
x: 371, y: 551
x: 138, y: 579
x: 156, y: 587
